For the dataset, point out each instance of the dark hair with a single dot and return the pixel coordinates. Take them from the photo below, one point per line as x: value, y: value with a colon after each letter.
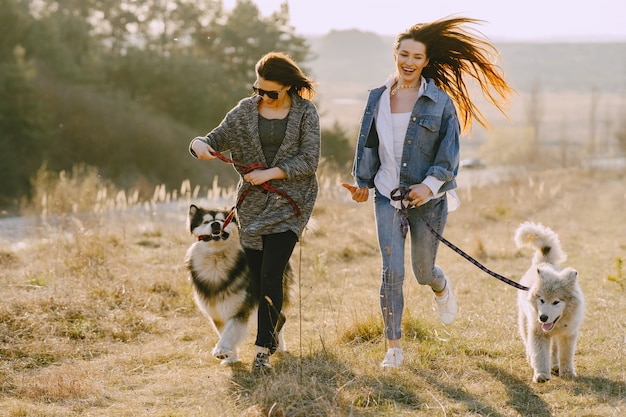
x: 281, y: 68
x: 454, y: 51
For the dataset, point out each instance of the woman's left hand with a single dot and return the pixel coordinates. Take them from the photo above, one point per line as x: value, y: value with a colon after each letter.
x: 263, y: 175
x: 256, y: 177
x: 419, y: 194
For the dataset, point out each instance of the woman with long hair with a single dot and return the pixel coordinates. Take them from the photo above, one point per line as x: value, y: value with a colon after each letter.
x: 277, y: 130
x: 408, y: 152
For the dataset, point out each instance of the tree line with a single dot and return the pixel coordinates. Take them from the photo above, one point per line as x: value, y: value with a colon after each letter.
x: 124, y: 85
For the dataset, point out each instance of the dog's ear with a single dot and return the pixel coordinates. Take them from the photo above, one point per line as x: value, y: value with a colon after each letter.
x: 569, y: 275
x: 542, y: 272
x: 193, y: 210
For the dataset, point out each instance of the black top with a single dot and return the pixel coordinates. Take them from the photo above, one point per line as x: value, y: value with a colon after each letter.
x: 271, y: 134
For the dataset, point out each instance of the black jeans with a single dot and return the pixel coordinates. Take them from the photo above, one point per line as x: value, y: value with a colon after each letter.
x: 267, y: 267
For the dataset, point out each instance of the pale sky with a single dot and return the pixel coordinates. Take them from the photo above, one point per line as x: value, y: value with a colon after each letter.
x: 508, y: 20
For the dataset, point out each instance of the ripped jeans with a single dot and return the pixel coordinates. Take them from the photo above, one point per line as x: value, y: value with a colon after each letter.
x: 424, y: 247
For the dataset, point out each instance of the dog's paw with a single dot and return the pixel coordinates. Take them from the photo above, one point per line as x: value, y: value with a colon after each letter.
x: 567, y: 373
x: 541, y: 377
x: 225, y: 355
x: 232, y: 359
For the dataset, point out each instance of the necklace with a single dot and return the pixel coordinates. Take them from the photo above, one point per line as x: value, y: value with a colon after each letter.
x: 399, y: 87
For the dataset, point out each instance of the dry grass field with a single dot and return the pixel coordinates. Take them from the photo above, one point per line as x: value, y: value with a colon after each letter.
x: 97, y: 316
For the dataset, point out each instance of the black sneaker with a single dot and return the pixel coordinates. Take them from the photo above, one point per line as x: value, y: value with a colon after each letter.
x: 261, y: 362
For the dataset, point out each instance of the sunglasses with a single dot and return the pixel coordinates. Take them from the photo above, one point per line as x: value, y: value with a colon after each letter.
x: 271, y: 94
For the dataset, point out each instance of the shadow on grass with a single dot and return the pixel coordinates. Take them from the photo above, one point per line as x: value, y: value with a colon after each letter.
x: 320, y: 384
x: 456, y: 393
x: 521, y: 396
x: 525, y: 401
x: 607, y: 391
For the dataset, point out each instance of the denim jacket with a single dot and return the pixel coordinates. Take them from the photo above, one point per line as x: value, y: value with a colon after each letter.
x: 431, y: 145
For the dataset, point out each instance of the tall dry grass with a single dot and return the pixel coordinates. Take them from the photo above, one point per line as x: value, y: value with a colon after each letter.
x: 97, y: 317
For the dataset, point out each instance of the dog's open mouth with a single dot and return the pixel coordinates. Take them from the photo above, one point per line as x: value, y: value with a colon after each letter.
x: 546, y: 327
x: 214, y: 236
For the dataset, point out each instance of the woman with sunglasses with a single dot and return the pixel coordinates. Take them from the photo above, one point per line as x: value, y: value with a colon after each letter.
x: 277, y: 129
x: 408, y: 151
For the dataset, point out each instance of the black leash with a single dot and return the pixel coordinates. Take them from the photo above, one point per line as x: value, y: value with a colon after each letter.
x: 401, y: 194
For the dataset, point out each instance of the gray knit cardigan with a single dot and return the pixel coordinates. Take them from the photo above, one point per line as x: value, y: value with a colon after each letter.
x: 261, y: 212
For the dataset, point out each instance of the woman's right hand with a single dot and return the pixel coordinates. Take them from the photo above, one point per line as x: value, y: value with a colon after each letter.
x: 360, y: 195
x: 202, y: 149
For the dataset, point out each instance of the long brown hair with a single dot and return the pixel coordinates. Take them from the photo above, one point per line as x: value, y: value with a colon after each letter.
x: 454, y: 51
x: 281, y: 68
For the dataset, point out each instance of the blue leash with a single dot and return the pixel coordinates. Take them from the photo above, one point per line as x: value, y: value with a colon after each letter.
x: 401, y: 194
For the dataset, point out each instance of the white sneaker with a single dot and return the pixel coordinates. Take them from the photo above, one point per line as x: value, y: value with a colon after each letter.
x: 446, y: 304
x: 393, y: 358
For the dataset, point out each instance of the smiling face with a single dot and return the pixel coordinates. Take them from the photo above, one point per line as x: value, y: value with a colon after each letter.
x: 549, y: 296
x: 549, y: 311
x: 410, y: 58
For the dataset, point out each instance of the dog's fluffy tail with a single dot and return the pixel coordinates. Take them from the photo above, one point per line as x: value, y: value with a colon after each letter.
x: 543, y: 240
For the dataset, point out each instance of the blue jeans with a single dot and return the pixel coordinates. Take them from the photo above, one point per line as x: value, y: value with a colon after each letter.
x: 424, y: 247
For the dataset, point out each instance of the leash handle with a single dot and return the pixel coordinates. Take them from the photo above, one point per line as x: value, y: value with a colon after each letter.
x: 401, y: 193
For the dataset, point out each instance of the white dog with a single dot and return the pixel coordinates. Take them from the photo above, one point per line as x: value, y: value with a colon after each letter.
x: 551, y: 312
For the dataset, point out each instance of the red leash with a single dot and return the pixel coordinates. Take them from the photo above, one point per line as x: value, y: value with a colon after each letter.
x: 266, y: 186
